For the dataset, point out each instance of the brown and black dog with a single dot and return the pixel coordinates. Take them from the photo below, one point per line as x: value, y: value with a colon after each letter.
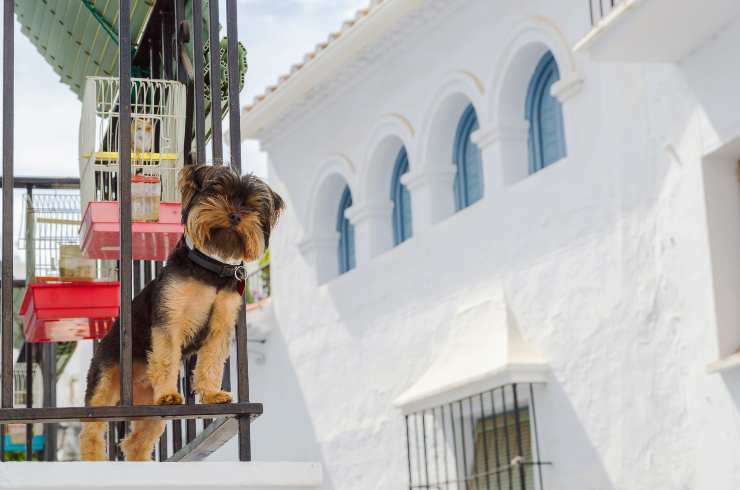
x: 188, y: 308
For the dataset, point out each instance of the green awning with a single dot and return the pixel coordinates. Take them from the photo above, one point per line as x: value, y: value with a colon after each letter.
x: 73, y: 41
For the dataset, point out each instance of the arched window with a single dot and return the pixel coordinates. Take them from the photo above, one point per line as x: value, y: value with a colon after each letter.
x: 346, y: 234
x: 545, y: 116
x: 467, y: 158
x: 401, y: 200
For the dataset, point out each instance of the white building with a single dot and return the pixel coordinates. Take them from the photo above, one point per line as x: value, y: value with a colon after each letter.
x: 574, y: 223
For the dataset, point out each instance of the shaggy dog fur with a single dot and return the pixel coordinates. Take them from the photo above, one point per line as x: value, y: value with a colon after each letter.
x: 186, y: 309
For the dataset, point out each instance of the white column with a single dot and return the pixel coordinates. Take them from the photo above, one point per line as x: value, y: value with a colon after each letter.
x: 432, y: 195
x: 321, y: 253
x: 373, y: 229
x: 505, y: 154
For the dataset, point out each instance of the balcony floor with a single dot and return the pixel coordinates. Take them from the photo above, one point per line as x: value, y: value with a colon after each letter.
x: 193, y: 476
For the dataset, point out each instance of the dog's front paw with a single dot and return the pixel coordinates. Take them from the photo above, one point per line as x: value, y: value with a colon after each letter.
x: 170, y: 399
x: 216, y: 397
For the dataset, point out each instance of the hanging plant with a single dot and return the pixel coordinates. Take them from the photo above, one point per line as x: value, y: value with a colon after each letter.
x: 223, y: 67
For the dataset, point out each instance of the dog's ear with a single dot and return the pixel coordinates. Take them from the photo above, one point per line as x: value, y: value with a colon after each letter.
x: 278, y: 205
x: 190, y: 183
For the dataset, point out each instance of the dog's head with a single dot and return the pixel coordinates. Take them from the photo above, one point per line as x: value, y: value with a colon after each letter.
x: 225, y: 214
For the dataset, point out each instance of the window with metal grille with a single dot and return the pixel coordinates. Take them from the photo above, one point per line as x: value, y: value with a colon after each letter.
x: 486, y: 441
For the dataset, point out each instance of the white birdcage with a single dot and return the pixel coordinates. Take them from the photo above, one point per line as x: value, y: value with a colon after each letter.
x: 19, y: 385
x: 157, y: 135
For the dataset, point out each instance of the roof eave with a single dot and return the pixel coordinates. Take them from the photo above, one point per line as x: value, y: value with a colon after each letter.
x: 267, y: 111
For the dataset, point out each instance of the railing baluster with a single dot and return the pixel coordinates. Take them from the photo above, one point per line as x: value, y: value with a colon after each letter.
x: 29, y: 398
x: 124, y: 199
x: 7, y: 247
x: 217, y: 147
x: 245, y: 447
x: 200, y: 115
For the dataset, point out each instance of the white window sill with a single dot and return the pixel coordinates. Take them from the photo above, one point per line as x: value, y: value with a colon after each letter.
x: 725, y: 364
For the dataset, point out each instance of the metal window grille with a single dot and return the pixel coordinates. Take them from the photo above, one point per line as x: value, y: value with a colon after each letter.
x: 486, y: 441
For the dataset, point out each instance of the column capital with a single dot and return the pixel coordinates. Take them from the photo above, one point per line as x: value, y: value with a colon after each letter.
x: 428, y: 176
x: 360, y: 213
x: 491, y: 135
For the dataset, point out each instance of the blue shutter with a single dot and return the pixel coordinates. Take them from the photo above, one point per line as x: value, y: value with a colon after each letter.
x: 401, y: 200
x: 545, y: 116
x: 346, y: 249
x: 468, y: 160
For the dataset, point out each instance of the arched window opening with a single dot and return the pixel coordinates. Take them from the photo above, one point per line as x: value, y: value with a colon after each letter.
x: 346, y: 234
x: 402, y: 227
x: 468, y: 160
x: 545, y: 116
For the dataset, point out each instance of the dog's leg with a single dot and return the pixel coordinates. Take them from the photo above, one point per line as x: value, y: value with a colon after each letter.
x: 212, y: 355
x: 92, y: 437
x: 164, y: 365
x: 139, y: 443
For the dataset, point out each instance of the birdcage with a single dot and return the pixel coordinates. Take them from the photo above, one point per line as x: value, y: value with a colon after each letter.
x: 65, y: 298
x: 50, y: 226
x: 15, y: 438
x: 19, y: 385
x: 157, y: 135
x: 157, y: 141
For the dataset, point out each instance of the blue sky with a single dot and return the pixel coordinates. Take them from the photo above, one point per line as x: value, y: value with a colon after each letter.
x: 277, y: 34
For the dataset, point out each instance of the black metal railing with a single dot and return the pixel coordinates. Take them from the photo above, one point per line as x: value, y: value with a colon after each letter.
x: 598, y: 9
x: 487, y: 441
x: 166, y: 37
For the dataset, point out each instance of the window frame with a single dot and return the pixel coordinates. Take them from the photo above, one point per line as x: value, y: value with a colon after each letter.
x: 545, y: 75
x: 398, y: 191
x: 467, y: 125
x: 345, y: 248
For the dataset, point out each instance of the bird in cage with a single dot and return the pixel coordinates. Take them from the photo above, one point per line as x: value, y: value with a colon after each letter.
x: 142, y: 135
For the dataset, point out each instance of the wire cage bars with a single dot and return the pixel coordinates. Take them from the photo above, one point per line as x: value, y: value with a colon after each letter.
x: 487, y: 441
x: 156, y: 128
x: 50, y: 225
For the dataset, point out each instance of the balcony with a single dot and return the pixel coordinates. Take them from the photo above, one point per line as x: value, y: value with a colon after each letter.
x: 652, y: 30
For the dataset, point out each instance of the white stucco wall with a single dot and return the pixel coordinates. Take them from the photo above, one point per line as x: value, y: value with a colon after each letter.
x: 604, y: 257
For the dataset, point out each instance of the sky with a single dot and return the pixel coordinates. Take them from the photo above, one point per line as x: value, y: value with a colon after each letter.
x: 277, y: 33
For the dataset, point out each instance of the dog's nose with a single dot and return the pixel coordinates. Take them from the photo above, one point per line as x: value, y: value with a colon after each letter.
x: 235, y: 218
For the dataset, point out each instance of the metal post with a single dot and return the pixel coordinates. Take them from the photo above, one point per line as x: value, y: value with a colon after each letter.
x: 124, y: 198
x: 29, y: 399
x: 217, y: 147
x: 242, y: 360
x: 49, y: 372
x: 7, y: 247
x: 200, y: 114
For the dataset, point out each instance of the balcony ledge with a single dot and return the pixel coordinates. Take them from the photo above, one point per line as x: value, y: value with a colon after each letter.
x: 725, y: 364
x: 656, y: 30
x: 193, y: 476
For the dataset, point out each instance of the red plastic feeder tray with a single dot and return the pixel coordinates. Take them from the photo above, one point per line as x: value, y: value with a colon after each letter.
x: 100, y: 232
x: 64, y: 311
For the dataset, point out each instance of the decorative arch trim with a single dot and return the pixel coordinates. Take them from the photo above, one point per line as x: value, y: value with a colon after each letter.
x: 530, y: 39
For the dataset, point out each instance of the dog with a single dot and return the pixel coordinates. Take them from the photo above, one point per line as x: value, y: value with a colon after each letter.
x: 191, y: 307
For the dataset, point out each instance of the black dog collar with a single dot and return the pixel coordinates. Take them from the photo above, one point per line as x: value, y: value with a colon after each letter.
x: 237, y: 271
